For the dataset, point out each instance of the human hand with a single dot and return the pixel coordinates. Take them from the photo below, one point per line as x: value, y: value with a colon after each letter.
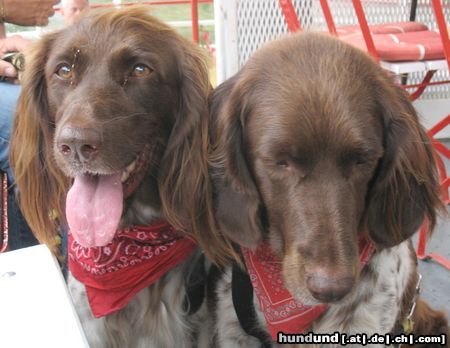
x: 28, y: 12
x: 14, y: 43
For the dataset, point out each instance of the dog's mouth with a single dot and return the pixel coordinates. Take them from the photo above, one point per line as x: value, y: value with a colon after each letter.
x: 134, y: 173
x: 94, y: 203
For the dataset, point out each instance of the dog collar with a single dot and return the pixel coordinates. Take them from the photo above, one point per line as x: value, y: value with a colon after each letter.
x: 281, y: 311
x: 136, y: 258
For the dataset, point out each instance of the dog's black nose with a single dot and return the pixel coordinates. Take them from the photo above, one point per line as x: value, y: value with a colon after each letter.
x: 83, y: 143
x: 328, y: 287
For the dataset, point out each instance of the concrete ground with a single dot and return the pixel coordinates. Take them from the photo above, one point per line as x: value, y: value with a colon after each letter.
x: 436, y: 278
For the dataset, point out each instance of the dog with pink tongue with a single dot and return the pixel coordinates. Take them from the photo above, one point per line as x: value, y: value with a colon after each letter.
x: 116, y: 105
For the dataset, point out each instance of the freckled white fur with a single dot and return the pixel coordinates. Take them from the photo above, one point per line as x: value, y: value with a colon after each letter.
x: 154, y: 318
x: 377, y: 299
x: 371, y: 308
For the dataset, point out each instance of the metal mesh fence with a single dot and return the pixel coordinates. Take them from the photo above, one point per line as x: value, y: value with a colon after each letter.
x: 259, y: 21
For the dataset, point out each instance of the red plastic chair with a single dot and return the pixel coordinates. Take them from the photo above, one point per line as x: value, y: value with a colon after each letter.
x: 395, y: 57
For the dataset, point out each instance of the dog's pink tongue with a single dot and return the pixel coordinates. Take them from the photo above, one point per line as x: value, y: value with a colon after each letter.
x: 93, y: 208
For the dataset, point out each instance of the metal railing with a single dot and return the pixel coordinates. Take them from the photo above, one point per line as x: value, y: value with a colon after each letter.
x: 194, y: 10
x: 194, y: 21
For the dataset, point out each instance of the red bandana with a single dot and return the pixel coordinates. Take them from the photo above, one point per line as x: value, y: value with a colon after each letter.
x: 136, y: 257
x: 281, y: 311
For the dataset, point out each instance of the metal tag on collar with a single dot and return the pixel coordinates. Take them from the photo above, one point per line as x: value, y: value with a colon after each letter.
x: 408, y: 323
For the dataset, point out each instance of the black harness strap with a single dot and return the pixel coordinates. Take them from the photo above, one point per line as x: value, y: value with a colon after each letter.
x: 195, y: 287
x: 242, y: 293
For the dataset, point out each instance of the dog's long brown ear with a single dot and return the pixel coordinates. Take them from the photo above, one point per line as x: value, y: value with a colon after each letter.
x: 185, y: 186
x: 405, y: 189
x: 237, y: 200
x: 40, y: 184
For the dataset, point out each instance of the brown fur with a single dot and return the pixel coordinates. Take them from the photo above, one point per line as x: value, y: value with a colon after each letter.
x: 167, y: 110
x: 313, y: 146
x: 429, y: 322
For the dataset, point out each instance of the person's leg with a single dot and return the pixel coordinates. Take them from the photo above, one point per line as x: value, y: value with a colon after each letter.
x: 8, y: 99
x: 19, y: 234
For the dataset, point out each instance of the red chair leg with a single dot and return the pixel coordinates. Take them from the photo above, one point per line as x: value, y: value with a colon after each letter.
x: 290, y: 16
x: 421, y: 246
x: 422, y: 241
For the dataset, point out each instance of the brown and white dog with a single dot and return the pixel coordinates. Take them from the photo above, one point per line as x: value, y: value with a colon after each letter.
x: 116, y: 107
x: 315, y: 150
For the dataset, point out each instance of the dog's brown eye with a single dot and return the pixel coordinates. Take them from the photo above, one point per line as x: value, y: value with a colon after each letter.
x: 141, y: 70
x: 360, y: 161
x: 282, y: 164
x: 65, y: 72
